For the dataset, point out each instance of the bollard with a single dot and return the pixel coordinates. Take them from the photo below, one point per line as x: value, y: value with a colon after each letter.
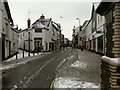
x: 16, y: 56
x: 110, y: 73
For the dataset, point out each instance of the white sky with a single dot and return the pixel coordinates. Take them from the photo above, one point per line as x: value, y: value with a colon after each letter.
x: 68, y: 9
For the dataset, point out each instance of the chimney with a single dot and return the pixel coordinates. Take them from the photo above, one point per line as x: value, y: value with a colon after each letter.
x: 28, y: 23
x: 42, y: 17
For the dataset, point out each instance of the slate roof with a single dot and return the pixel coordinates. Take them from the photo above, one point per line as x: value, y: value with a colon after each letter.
x: 8, y: 12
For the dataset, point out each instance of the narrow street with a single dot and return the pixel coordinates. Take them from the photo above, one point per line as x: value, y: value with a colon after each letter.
x: 41, y: 72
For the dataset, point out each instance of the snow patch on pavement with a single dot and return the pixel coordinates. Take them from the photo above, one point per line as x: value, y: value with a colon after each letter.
x: 63, y: 82
x: 20, y: 55
x: 79, y: 64
x: 6, y: 67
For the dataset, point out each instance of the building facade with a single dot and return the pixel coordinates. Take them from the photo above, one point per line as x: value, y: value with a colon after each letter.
x: 88, y: 30
x: 8, y: 33
x: 112, y: 19
x: 77, y: 36
x: 43, y: 34
x: 84, y: 33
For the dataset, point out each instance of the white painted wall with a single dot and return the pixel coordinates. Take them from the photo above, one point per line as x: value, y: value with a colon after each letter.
x: 46, y: 35
x: 14, y: 40
x: 24, y: 38
x: 8, y: 32
x: 88, y: 33
x: 79, y: 33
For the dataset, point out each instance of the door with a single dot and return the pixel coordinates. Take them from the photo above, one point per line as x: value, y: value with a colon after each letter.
x: 3, y: 46
x: 9, y: 48
x: 37, y: 44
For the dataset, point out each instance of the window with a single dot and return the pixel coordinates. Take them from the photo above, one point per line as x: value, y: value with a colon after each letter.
x: 38, y: 30
x: 20, y: 36
x: 109, y: 17
x: 23, y: 34
x: 53, y: 32
x: 7, y: 30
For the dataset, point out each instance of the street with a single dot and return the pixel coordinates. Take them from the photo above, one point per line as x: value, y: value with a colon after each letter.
x: 41, y: 72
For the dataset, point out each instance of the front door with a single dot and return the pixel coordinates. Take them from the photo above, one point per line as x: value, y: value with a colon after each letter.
x: 37, y: 44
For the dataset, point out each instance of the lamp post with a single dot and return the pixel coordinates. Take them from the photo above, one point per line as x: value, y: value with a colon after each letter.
x: 61, y: 17
x: 24, y: 49
x: 79, y: 37
x: 29, y: 44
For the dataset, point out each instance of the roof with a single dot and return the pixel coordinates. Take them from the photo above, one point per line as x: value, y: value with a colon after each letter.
x: 56, y: 26
x: 103, y: 7
x: 44, y: 23
x: 8, y: 12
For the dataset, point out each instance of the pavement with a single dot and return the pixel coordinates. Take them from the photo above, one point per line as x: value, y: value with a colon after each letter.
x: 13, y: 62
x: 82, y: 70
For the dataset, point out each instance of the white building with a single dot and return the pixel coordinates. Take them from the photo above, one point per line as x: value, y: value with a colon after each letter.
x: 8, y: 34
x: 42, y: 33
x: 95, y: 32
x: 77, y: 36
x: 84, y: 33
x: 88, y: 34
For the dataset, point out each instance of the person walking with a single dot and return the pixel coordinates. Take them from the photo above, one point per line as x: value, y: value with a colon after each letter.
x: 42, y: 50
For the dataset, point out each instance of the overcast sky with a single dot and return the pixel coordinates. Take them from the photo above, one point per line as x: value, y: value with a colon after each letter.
x: 69, y: 10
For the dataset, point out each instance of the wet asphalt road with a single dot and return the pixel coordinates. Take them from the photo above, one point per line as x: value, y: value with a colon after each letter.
x: 38, y: 73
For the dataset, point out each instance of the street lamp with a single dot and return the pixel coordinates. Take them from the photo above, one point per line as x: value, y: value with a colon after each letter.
x: 29, y: 44
x: 61, y: 17
x: 79, y: 37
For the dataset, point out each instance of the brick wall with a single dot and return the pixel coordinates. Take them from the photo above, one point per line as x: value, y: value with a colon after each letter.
x: 116, y: 27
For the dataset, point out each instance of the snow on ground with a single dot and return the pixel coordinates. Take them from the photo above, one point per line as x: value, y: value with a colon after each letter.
x: 63, y: 82
x: 19, y: 61
x: 79, y: 64
x: 20, y: 55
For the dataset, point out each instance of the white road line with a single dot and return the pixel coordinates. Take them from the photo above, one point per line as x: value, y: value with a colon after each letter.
x: 36, y: 73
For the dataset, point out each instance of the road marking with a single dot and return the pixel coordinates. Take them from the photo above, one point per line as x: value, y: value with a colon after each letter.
x: 52, y: 85
x: 14, y: 87
x: 36, y: 73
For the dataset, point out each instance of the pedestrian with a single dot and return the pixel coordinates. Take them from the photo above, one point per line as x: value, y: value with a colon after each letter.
x: 81, y: 48
x: 42, y: 50
x: 60, y: 47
